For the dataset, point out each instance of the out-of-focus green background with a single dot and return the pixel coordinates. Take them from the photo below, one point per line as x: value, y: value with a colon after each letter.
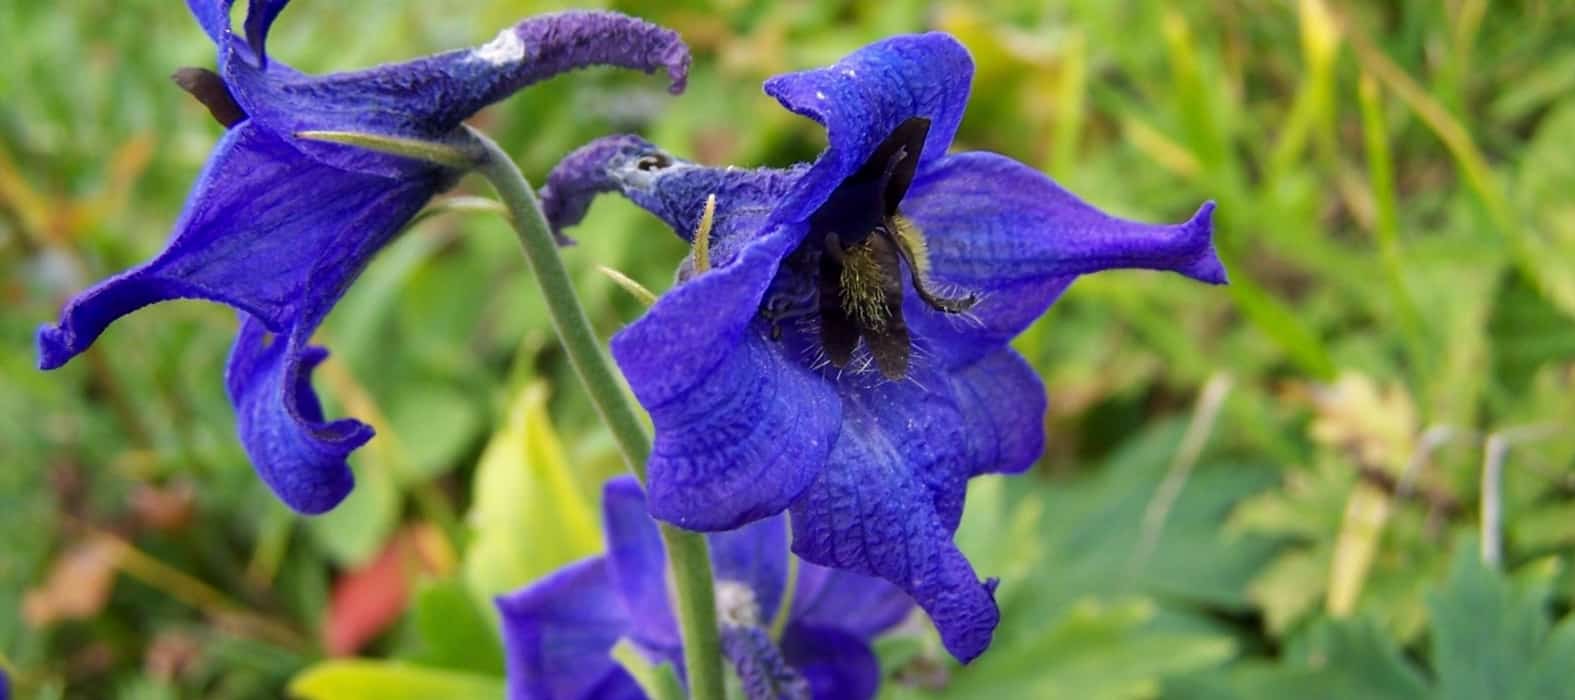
x: 1268, y: 490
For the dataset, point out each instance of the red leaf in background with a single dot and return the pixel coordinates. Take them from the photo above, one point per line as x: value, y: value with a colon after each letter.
x: 366, y: 601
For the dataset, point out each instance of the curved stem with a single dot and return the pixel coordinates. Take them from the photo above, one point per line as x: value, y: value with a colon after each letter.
x: 687, y: 552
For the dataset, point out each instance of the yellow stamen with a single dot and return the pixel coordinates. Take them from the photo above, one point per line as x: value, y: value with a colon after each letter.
x: 912, y: 241
x: 702, y: 252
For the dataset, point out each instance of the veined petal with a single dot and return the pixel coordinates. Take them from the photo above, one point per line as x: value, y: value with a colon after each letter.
x: 264, y: 230
x: 637, y: 566
x: 427, y: 98
x: 833, y: 598
x: 837, y: 665
x: 741, y: 428
x: 559, y: 634
x: 1003, y: 405
x: 889, y: 499
x: 865, y: 96
x: 997, y: 227
x: 298, y: 454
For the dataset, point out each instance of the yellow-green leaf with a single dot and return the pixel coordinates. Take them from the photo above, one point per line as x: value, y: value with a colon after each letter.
x: 357, y: 679
x: 529, y: 514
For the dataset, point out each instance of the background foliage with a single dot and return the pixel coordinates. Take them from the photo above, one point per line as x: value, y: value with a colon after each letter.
x: 1269, y: 490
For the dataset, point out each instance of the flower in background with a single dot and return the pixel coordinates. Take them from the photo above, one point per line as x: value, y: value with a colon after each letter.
x: 279, y: 227
x: 560, y: 631
x: 837, y: 344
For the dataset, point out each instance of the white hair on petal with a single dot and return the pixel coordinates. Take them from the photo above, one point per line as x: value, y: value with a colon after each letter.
x: 506, y: 48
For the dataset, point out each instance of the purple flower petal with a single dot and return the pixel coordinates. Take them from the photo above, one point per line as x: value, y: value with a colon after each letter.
x: 838, y: 665
x: 637, y: 566
x: 260, y: 15
x: 264, y: 230
x: 865, y: 96
x: 741, y: 430
x: 298, y: 454
x: 559, y: 633
x: 833, y: 598
x: 1003, y: 402
x: 428, y: 97
x: 888, y: 500
x: 278, y: 227
x: 213, y: 15
x: 997, y: 227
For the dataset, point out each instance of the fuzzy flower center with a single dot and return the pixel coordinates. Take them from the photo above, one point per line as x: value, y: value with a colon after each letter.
x: 736, y: 605
x: 855, y: 254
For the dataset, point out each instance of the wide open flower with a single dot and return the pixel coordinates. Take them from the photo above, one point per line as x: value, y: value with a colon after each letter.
x: 843, y: 351
x: 560, y: 630
x: 279, y: 227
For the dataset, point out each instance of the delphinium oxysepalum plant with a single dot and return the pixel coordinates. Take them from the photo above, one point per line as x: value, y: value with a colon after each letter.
x: 279, y: 226
x: 836, y: 345
x: 810, y: 641
x: 835, y: 348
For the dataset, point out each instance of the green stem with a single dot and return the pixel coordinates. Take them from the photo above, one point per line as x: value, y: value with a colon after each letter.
x: 779, y: 619
x: 687, y: 552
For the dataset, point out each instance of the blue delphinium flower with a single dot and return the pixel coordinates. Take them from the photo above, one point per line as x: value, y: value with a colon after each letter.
x: 841, y: 350
x: 559, y: 631
x: 278, y: 227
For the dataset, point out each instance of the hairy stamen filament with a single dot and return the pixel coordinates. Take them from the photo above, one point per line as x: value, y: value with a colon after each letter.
x: 910, y: 243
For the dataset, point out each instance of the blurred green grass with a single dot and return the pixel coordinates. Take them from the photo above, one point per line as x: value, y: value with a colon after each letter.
x: 1394, y: 187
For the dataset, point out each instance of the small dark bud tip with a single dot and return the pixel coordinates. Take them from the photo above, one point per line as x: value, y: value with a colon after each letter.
x: 210, y: 90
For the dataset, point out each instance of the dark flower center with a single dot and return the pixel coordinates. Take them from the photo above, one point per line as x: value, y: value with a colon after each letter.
x: 861, y: 243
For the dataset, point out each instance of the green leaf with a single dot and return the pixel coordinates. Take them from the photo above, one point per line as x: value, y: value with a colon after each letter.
x: 1548, y: 526
x: 1547, y: 176
x: 434, y: 423
x: 456, y: 633
x: 1357, y: 660
x: 1095, y: 650
x: 529, y: 514
x: 1490, y: 639
x: 1346, y: 659
x: 1488, y: 635
x: 1090, y: 529
x: 1548, y: 677
x: 1528, y: 332
x: 390, y: 680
